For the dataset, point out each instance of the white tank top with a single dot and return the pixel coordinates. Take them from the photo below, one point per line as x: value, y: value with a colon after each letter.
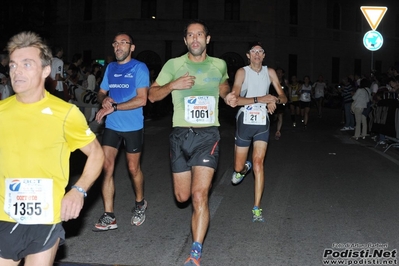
x: 255, y: 84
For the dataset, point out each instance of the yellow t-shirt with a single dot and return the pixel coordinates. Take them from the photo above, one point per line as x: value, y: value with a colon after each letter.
x: 36, y: 141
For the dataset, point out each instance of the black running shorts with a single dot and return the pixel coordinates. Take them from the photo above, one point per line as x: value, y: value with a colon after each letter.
x: 133, y: 140
x: 18, y: 241
x: 194, y: 147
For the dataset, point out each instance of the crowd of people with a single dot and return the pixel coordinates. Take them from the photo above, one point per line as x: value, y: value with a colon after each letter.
x: 361, y: 95
x: 45, y: 86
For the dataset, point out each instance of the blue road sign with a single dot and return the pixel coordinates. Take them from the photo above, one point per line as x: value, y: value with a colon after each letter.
x: 373, y: 40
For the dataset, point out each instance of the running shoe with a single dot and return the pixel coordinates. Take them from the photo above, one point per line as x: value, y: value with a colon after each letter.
x: 192, y: 261
x: 238, y: 177
x: 257, y: 215
x: 105, y: 223
x: 139, y: 214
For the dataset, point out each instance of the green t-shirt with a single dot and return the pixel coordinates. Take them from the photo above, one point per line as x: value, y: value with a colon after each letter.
x: 198, y: 106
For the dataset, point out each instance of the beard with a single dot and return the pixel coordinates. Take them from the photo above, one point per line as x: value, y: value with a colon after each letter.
x: 197, y: 51
x: 122, y: 56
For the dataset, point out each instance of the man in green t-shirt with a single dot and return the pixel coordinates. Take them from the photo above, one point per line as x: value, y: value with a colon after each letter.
x: 194, y: 149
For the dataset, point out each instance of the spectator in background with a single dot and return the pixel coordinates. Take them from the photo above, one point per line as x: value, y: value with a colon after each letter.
x: 394, y: 84
x: 360, y: 99
x: 97, y: 74
x: 5, y: 84
x: 319, y: 88
x: 57, y: 74
x: 4, y: 69
x: 77, y: 61
x: 72, y: 81
x: 108, y: 59
x: 90, y: 80
x: 347, y: 92
x: 5, y: 87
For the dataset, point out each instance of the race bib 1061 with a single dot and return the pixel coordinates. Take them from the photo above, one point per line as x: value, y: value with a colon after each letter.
x: 199, y: 109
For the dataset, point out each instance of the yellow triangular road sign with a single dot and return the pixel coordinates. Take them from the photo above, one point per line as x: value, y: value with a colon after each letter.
x: 374, y: 14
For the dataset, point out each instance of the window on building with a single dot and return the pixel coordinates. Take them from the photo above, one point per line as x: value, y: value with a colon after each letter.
x: 148, y: 8
x: 88, y: 10
x: 232, y: 10
x: 337, y: 17
x: 292, y: 65
x: 190, y: 9
x: 335, y: 70
x: 294, y: 12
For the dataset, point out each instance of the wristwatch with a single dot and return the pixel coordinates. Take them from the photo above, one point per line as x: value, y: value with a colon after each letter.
x: 115, y: 106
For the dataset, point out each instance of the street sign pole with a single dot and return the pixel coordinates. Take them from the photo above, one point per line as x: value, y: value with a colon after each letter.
x: 372, y: 61
x: 373, y: 39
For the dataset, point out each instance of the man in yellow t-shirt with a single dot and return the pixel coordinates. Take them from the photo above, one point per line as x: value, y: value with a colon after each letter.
x: 38, y: 133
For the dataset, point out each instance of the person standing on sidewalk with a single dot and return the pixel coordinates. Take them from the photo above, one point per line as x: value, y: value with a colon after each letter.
x: 38, y: 133
x: 195, y: 81
x: 122, y: 94
x: 347, y: 93
x: 57, y: 74
x: 252, y: 84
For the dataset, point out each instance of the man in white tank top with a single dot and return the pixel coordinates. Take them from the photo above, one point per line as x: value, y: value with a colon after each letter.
x: 252, y: 84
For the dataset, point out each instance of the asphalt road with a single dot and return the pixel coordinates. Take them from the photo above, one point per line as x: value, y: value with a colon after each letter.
x: 325, y: 193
